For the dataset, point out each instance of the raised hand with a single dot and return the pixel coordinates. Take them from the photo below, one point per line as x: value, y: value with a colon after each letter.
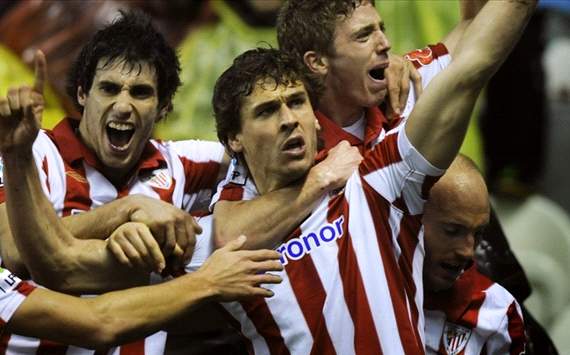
x: 399, y: 75
x: 235, y: 274
x: 21, y: 111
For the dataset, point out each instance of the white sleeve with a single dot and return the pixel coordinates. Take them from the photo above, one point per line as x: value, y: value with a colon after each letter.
x: 396, y: 170
x: 10, y: 296
x: 429, y: 62
x: 204, y: 244
x: 198, y: 150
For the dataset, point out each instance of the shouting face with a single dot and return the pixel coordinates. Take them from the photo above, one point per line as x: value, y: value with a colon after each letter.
x: 119, y: 113
x: 354, y: 77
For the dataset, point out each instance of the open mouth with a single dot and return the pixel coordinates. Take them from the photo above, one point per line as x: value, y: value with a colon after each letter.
x: 294, y: 145
x: 120, y: 134
x: 377, y: 73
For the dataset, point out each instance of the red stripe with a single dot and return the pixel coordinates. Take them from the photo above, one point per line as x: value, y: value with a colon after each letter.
x: 516, y: 331
x: 265, y: 325
x: 380, y: 209
x: 4, y: 339
x: 134, y: 348
x: 25, y: 288
x: 471, y: 315
x: 408, y: 242
x: 46, y: 171
x: 366, y: 339
x: 384, y: 154
x: 199, y: 176
x: 77, y: 190
x: 231, y: 192
x: 311, y: 295
x: 47, y: 347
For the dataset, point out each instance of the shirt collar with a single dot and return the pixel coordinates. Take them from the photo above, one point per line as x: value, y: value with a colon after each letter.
x: 332, y: 133
x: 73, y: 150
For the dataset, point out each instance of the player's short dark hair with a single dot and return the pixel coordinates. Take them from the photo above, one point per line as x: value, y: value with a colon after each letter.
x: 133, y: 39
x: 240, y: 79
x: 304, y: 26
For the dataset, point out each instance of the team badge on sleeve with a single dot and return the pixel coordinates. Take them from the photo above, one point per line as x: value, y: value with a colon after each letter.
x: 422, y: 56
x: 455, y: 337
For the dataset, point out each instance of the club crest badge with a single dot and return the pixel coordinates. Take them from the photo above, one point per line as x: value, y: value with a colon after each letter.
x: 160, y: 179
x: 455, y: 338
x: 422, y: 56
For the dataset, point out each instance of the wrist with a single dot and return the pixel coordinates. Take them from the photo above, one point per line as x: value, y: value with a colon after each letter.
x: 203, y: 284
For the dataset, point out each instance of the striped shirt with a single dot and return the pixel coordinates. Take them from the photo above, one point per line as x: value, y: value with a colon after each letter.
x: 181, y: 173
x: 476, y: 316
x: 429, y: 61
x: 13, y: 292
x: 352, y: 267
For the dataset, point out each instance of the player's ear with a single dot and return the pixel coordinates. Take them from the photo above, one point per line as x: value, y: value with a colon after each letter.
x: 317, y: 125
x: 165, y: 110
x: 317, y: 63
x: 235, y: 143
x: 81, y: 96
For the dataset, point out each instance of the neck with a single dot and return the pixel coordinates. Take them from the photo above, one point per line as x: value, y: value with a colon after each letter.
x: 339, y: 111
x: 266, y: 182
x: 116, y: 176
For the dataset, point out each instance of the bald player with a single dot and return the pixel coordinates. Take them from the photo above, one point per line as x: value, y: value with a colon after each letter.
x: 465, y: 310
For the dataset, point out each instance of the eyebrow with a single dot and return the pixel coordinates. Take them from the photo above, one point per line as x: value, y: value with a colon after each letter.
x: 297, y: 95
x: 362, y: 30
x: 265, y: 105
x: 370, y: 28
x: 107, y: 82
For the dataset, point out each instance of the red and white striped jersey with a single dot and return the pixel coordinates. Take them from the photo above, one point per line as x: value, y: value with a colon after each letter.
x: 13, y: 292
x: 476, y: 316
x: 182, y: 173
x: 429, y: 61
x: 351, y: 283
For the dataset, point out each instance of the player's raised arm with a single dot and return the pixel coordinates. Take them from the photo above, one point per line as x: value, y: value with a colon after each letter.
x: 51, y: 251
x: 438, y: 123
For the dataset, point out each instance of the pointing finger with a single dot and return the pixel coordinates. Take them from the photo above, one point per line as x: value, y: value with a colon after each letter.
x: 40, y: 71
